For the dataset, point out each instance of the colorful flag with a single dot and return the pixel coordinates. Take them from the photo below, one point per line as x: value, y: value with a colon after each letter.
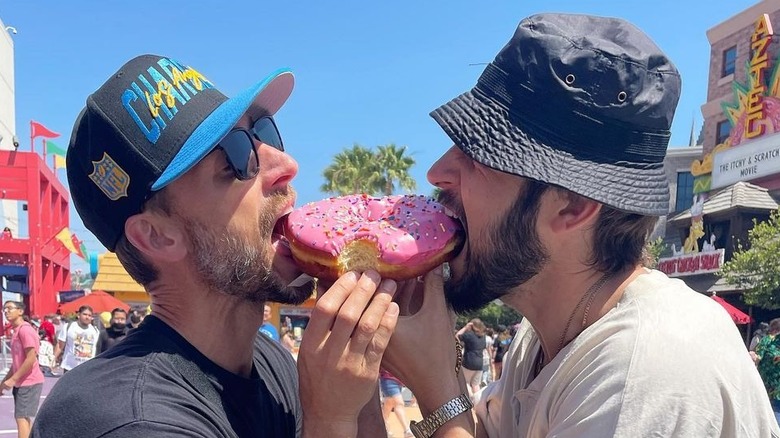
x: 54, y: 148
x: 77, y: 244
x: 59, y: 162
x: 65, y: 238
x: 38, y: 130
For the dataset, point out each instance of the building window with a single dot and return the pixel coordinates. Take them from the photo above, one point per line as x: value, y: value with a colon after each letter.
x: 729, y: 61
x: 724, y: 129
x: 684, y: 191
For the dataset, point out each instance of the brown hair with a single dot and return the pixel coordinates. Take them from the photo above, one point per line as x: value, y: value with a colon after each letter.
x: 620, y: 239
x: 133, y: 260
x: 478, y: 327
x: 774, y: 325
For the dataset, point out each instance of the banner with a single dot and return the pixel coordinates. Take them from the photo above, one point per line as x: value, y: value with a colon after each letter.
x: 77, y: 245
x: 66, y: 239
x: 54, y: 148
x: 38, y: 130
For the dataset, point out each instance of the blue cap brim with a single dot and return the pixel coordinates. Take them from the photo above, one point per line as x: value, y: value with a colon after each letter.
x: 266, y: 97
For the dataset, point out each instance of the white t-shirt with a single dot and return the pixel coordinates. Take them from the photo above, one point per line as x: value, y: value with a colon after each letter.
x: 79, y: 344
x: 666, y: 362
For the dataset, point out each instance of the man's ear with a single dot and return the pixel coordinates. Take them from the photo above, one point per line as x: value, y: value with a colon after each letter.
x: 156, y: 237
x: 573, y: 211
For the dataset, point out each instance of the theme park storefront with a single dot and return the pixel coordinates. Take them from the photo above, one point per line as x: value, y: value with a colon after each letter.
x: 736, y: 181
x: 710, y: 231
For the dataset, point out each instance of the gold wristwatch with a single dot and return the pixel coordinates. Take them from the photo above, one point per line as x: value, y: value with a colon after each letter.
x: 428, y: 426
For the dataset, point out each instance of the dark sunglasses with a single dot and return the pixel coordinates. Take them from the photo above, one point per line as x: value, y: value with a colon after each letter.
x: 240, y: 150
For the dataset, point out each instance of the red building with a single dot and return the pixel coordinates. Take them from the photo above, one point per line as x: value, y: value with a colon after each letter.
x: 38, y: 266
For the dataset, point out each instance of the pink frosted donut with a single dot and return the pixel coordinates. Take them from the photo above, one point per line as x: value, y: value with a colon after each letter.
x: 400, y: 237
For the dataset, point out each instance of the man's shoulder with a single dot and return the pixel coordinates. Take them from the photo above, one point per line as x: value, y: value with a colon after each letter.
x: 142, y: 385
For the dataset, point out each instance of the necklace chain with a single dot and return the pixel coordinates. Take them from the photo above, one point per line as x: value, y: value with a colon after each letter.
x: 590, y: 294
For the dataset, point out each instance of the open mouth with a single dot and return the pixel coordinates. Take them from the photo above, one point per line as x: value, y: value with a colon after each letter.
x: 278, y: 238
x: 456, y: 217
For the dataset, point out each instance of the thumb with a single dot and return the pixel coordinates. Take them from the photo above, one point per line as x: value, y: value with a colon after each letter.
x: 433, y: 294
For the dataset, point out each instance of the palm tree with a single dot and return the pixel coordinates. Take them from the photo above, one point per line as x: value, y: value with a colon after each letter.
x: 394, y: 167
x: 352, y: 171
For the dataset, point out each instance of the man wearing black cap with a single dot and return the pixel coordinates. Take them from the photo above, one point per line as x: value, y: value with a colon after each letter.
x: 189, y: 188
x: 557, y: 175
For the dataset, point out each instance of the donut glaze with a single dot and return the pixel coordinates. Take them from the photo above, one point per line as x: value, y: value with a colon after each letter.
x: 400, y: 236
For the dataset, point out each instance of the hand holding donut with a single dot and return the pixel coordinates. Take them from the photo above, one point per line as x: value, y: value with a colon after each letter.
x: 423, y: 310
x: 339, y: 357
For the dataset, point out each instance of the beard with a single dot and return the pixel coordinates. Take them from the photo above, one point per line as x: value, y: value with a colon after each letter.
x: 508, y: 256
x: 239, y: 265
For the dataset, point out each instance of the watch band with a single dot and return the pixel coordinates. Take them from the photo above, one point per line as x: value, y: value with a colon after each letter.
x: 428, y: 426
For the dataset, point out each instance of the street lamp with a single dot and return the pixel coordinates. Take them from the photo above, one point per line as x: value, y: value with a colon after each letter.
x: 11, y: 29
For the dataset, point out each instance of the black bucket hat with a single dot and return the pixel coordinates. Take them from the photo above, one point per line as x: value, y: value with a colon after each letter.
x: 576, y: 101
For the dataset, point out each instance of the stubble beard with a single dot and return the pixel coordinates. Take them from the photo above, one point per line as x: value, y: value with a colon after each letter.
x: 241, y: 266
x: 510, y: 254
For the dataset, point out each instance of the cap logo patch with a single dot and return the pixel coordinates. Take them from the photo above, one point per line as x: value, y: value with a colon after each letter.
x: 109, y: 177
x: 162, y: 90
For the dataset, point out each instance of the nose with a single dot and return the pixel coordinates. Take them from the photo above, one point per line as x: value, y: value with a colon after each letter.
x: 443, y: 173
x: 277, y: 168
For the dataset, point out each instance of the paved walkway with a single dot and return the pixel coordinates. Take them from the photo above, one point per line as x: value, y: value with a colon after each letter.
x: 394, y: 426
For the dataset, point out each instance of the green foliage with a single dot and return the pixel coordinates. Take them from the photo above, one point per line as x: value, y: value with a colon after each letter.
x: 756, y: 268
x: 653, y: 251
x: 394, y: 167
x: 492, y: 315
x: 361, y: 170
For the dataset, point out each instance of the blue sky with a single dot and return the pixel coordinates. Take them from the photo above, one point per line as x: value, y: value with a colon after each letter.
x: 366, y: 72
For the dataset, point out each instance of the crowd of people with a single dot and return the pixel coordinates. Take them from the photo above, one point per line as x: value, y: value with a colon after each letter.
x: 52, y: 346
x: 555, y: 171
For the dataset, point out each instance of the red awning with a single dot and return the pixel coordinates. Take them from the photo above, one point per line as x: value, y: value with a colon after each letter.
x: 99, y: 301
x: 737, y: 315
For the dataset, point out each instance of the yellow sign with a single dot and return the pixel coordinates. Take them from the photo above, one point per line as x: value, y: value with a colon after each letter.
x: 759, y: 43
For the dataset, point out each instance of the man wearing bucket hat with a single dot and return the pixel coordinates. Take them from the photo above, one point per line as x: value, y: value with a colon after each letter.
x: 189, y: 188
x: 557, y: 175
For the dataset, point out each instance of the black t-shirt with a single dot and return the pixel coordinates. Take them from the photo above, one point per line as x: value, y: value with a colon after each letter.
x: 473, y: 346
x: 175, y: 391
x: 501, y: 346
x: 109, y: 337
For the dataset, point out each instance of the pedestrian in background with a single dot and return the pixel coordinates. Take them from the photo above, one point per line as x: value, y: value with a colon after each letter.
x: 114, y: 332
x: 472, y: 335
x: 393, y: 401
x: 768, y: 357
x: 24, y: 379
x: 45, y: 354
x: 77, y: 341
x: 500, y: 346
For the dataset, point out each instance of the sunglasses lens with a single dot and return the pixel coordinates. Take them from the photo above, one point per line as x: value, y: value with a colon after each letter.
x: 241, y: 155
x: 265, y: 130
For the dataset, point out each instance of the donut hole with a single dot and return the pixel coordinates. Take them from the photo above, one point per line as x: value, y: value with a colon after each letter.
x: 359, y: 255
